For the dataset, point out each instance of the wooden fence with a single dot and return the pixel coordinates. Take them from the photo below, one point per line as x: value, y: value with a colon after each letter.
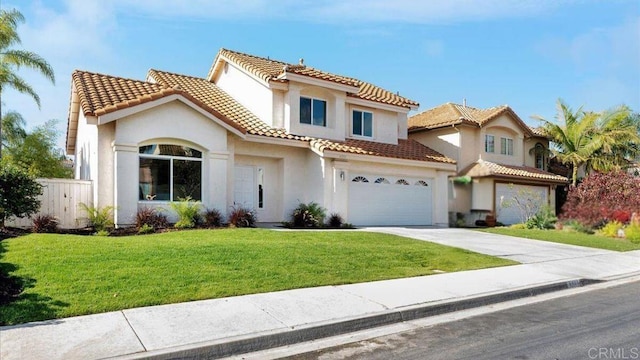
x: 61, y: 198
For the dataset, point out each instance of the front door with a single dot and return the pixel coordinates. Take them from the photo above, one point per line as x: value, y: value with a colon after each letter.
x: 244, y: 188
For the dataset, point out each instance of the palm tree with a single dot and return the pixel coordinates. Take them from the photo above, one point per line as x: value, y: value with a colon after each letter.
x: 597, y: 140
x: 618, y: 139
x: 12, y: 60
x: 13, y: 128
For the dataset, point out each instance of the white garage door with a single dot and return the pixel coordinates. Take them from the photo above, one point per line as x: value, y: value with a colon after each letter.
x: 384, y: 200
x: 512, y: 200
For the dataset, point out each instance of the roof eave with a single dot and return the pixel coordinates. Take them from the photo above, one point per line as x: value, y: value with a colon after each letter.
x: 386, y: 160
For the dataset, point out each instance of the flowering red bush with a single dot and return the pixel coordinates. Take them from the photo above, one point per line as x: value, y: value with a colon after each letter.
x: 602, y: 198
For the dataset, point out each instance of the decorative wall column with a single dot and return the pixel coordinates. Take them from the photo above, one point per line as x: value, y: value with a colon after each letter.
x: 126, y: 192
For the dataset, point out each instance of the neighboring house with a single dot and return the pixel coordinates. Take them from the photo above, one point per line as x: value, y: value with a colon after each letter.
x: 500, y: 159
x: 257, y: 133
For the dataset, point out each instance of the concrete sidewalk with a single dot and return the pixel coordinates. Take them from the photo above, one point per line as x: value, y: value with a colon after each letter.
x: 234, y: 325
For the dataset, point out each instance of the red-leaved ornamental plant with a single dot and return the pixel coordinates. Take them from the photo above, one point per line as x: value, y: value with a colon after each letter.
x: 603, y: 197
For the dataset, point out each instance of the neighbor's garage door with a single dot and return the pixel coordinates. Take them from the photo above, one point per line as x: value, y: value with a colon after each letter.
x: 508, y: 212
x: 384, y: 200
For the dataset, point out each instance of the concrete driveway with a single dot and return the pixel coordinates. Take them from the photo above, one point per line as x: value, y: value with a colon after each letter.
x: 559, y: 259
x: 524, y: 251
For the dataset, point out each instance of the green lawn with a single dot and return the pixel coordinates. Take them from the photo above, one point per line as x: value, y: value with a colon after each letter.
x: 566, y: 237
x: 69, y: 275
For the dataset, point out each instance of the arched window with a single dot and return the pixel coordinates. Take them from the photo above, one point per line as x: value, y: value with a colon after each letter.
x: 169, y: 172
x: 539, y: 152
x: 422, y: 183
x: 402, y: 182
x: 360, y: 179
x: 381, y: 181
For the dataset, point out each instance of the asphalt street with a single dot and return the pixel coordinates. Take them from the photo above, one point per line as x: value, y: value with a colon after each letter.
x: 599, y: 324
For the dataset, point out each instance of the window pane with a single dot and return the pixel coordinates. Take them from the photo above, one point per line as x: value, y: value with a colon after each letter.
x: 187, y: 179
x: 319, y: 112
x: 510, y: 146
x: 503, y: 146
x: 171, y: 150
x: 305, y: 110
x: 154, y: 179
x: 368, y: 124
x: 489, y: 143
x: 357, y: 122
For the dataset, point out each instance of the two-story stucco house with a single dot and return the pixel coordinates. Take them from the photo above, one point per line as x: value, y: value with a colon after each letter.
x: 257, y: 133
x: 499, y: 159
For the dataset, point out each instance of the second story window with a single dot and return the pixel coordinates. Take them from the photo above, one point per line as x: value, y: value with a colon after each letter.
x: 313, y: 111
x: 506, y: 146
x: 489, y: 143
x: 362, y: 123
x: 539, y: 152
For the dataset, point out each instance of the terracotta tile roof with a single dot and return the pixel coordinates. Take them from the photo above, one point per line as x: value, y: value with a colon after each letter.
x: 273, y: 70
x: 453, y: 114
x: 213, y: 97
x: 406, y: 149
x: 101, y: 94
x: 483, y: 168
x: 539, y: 131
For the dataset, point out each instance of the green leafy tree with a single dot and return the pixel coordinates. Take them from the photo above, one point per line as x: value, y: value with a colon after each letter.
x: 36, y: 152
x: 599, y: 141
x: 11, y: 60
x: 18, y: 193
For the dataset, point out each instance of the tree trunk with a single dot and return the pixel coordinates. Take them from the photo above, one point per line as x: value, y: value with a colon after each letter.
x: 575, y: 175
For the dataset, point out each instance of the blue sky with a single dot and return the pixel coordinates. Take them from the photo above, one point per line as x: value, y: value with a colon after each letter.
x: 522, y: 53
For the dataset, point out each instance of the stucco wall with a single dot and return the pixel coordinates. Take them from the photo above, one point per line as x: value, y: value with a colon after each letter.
x: 385, y: 124
x: 254, y: 95
x: 445, y: 141
x: 503, y: 127
x: 482, y: 194
x: 170, y: 123
x: 287, y: 187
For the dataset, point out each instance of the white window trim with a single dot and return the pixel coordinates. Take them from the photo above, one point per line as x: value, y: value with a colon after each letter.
x: 485, y: 144
x: 170, y: 158
x: 373, y: 132
x: 326, y: 111
x: 504, y: 150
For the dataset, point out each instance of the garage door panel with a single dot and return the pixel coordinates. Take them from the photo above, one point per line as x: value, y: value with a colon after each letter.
x: 388, y: 203
x: 508, y: 212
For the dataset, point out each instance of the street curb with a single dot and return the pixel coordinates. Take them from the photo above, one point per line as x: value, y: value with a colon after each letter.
x: 263, y: 341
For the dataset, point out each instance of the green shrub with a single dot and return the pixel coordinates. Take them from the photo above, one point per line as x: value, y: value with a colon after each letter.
x: 242, y: 217
x: 335, y: 221
x: 213, y: 218
x: 152, y: 218
x: 45, y: 223
x: 188, y: 212
x: 518, y: 226
x: 18, y: 194
x: 101, y: 219
x: 611, y: 229
x: 309, y: 215
x: 102, y: 233
x: 348, y: 226
x: 146, y: 229
x: 632, y: 232
x: 544, y: 219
